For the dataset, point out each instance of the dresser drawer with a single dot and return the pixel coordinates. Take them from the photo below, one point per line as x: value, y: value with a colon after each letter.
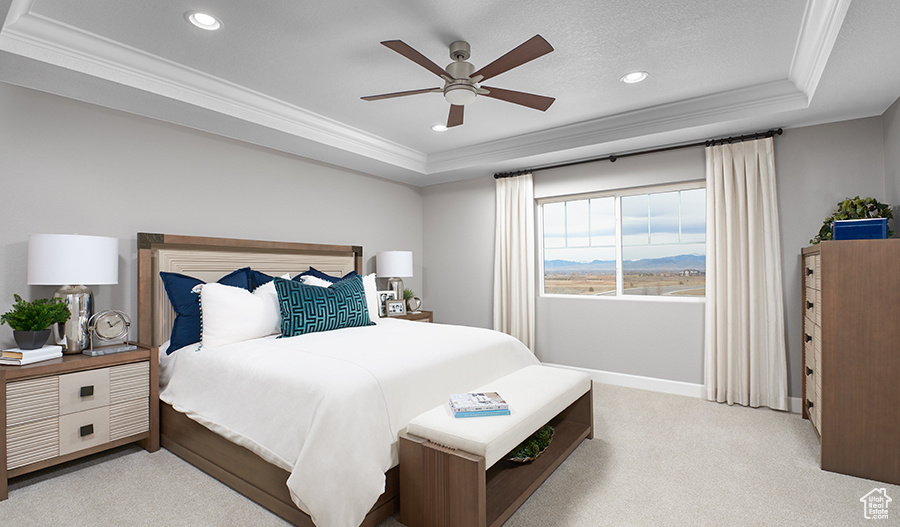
x: 811, y: 305
x: 809, y: 271
x: 818, y: 308
x: 83, y: 390
x: 817, y: 273
x: 129, y: 418
x: 32, y: 442
x: 82, y: 430
x: 32, y: 400
x: 809, y: 357
x: 129, y: 382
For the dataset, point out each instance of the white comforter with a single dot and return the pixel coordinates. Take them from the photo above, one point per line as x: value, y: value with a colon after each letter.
x: 328, y: 406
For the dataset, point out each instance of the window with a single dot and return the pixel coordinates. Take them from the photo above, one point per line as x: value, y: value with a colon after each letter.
x: 648, y: 242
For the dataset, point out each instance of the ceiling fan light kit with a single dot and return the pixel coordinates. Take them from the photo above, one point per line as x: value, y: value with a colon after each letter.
x: 461, y: 81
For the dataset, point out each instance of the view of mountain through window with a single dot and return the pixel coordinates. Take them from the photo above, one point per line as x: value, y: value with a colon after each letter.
x: 662, y: 244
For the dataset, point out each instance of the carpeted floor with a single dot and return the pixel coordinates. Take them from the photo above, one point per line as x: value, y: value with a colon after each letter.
x: 655, y: 459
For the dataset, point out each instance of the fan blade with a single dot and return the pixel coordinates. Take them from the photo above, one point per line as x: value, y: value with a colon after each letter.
x: 456, y: 115
x: 533, y: 48
x: 407, y: 51
x: 399, y: 94
x: 538, y: 102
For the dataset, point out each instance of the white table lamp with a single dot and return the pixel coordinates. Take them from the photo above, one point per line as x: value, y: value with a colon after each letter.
x: 73, y: 260
x: 396, y: 265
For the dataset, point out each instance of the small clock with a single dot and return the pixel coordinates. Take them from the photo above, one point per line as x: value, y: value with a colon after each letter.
x: 109, y: 326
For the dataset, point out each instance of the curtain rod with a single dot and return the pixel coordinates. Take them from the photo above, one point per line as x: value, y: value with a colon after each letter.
x: 613, y: 157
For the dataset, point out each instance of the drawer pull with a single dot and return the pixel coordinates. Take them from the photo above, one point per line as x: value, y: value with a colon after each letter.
x: 809, y: 370
x: 86, y: 430
x: 809, y: 271
x: 87, y: 391
x: 807, y: 337
x: 809, y: 404
x: 809, y: 305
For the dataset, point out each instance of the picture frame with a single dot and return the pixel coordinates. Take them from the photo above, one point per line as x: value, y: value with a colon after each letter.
x: 384, y: 296
x: 395, y: 308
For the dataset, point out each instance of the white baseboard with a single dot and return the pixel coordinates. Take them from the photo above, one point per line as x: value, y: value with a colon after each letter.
x: 653, y: 384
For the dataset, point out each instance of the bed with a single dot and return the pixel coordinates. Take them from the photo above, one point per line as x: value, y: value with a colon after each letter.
x: 350, y: 391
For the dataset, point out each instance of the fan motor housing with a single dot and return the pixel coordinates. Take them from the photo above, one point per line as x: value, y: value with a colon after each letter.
x: 460, y: 50
x: 460, y: 69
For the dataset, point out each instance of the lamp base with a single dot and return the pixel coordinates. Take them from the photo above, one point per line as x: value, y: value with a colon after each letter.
x: 73, y: 335
x: 396, y: 285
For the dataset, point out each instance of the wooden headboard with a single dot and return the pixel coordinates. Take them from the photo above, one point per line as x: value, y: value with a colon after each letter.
x: 212, y: 258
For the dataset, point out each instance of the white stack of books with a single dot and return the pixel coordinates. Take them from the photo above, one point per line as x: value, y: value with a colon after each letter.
x: 20, y: 357
x: 478, y: 404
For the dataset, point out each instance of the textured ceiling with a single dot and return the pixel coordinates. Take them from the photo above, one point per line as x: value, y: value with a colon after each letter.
x: 289, y: 75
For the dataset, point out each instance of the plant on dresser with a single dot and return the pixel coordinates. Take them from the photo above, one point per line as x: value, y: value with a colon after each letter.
x: 853, y: 209
x: 31, y: 321
x: 77, y: 405
x: 851, y: 365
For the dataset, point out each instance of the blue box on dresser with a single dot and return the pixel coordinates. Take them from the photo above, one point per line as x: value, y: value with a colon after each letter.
x: 865, y: 229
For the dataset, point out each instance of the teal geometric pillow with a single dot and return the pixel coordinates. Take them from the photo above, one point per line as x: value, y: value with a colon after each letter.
x: 308, y: 308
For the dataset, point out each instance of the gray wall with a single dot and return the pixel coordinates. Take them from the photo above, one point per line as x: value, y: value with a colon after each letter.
x: 892, y: 159
x: 459, y: 247
x: 815, y: 167
x: 71, y: 167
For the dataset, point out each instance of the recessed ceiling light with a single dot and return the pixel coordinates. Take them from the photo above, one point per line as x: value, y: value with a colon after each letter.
x: 635, y: 76
x: 203, y: 20
x: 439, y: 128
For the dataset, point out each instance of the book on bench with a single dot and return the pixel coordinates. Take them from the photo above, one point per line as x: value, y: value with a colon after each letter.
x: 480, y: 404
x: 481, y: 413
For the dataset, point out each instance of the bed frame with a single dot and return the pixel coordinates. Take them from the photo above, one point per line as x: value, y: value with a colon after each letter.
x: 209, y: 259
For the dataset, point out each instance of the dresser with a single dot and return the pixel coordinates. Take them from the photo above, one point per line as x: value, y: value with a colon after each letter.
x: 851, y: 355
x: 62, y: 409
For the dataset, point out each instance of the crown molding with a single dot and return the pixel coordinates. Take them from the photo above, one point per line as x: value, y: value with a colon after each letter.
x: 822, y: 22
x: 775, y: 96
x: 46, y: 40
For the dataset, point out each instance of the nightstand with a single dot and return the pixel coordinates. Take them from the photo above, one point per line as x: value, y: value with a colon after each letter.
x: 63, y: 409
x: 421, y: 316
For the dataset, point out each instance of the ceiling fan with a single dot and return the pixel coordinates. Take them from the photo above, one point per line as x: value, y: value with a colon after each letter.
x: 462, y: 82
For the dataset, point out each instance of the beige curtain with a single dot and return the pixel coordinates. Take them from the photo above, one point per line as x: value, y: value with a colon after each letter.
x: 514, y: 258
x: 745, y: 360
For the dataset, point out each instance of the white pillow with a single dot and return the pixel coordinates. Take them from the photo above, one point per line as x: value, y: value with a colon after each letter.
x: 233, y: 314
x: 368, y: 285
x: 314, y: 280
x: 372, y: 297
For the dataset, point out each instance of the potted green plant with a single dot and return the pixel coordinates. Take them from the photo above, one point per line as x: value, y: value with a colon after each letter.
x: 31, y: 321
x: 853, y: 209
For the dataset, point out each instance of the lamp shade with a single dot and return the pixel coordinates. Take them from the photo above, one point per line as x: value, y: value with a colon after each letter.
x: 394, y: 263
x: 72, y: 259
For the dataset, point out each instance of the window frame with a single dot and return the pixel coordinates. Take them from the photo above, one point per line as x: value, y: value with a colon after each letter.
x: 618, y: 194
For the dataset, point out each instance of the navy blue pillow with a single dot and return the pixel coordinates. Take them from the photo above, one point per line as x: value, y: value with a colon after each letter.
x: 319, y: 274
x: 258, y: 278
x: 308, y: 308
x: 186, y: 328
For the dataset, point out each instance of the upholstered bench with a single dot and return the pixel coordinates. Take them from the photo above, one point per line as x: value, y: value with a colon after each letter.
x: 452, y: 471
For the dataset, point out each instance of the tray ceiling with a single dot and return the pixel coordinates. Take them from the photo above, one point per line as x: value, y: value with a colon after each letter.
x: 289, y: 75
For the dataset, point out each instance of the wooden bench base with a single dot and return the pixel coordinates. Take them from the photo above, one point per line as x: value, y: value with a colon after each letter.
x: 446, y: 487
